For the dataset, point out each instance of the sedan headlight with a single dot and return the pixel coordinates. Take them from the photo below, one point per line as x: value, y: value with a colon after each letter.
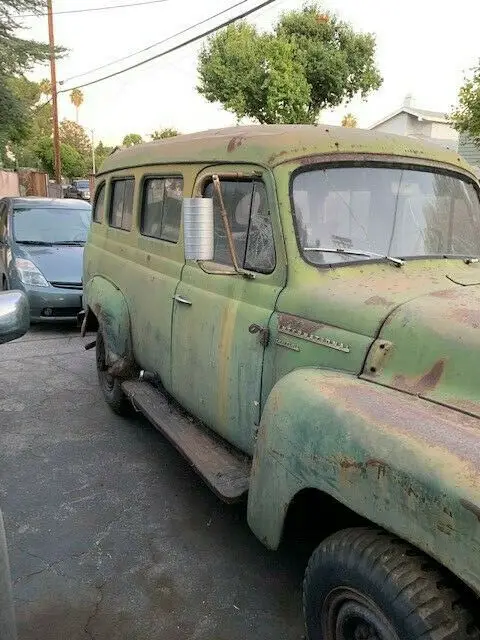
x: 29, y: 273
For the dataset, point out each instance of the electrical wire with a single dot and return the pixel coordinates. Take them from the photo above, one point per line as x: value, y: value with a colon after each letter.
x: 172, y: 49
x: 152, y: 46
x: 106, y: 8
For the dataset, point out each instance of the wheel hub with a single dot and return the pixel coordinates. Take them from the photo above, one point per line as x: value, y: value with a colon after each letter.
x: 349, y: 615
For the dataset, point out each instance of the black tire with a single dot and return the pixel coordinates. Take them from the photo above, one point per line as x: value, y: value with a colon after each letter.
x: 365, y: 583
x: 110, y: 386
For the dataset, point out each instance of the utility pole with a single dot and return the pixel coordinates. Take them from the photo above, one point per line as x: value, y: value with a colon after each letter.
x: 53, y: 80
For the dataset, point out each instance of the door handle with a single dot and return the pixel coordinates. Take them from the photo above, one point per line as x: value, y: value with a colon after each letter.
x: 181, y: 299
x: 263, y: 333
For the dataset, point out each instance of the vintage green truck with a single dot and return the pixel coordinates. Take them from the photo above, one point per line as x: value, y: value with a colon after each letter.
x: 297, y: 309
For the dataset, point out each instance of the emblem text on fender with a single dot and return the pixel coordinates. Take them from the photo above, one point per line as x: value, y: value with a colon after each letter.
x: 325, y: 342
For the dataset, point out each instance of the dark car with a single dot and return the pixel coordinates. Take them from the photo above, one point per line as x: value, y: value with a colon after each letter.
x: 78, y: 189
x: 41, y: 253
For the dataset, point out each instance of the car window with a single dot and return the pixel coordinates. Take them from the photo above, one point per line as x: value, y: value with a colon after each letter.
x: 99, y: 207
x: 43, y: 225
x: 249, y: 219
x: 162, y: 208
x: 121, y: 208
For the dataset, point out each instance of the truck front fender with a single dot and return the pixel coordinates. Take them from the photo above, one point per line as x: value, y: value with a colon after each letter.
x: 404, y: 463
x: 108, y: 304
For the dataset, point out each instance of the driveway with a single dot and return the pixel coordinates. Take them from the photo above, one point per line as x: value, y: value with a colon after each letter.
x: 111, y: 534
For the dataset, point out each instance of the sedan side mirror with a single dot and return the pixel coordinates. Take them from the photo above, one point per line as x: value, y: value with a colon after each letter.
x: 14, y: 315
x: 198, y: 228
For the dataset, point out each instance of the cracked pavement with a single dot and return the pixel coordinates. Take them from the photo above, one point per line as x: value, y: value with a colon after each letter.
x: 111, y: 535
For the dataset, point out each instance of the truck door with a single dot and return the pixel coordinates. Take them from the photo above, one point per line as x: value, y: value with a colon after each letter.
x: 220, y: 317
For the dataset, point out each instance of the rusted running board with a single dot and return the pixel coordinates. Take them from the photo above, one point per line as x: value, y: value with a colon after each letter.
x: 225, y: 472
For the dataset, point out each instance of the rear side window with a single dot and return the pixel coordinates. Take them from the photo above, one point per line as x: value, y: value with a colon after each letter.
x: 121, y: 208
x: 99, y: 207
x: 162, y: 208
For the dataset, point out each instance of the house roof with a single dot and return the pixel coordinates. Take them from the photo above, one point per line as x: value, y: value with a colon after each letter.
x: 420, y: 114
x: 271, y: 145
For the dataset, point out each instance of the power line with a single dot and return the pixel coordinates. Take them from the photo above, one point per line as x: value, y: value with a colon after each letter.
x: 172, y: 49
x: 155, y: 44
x: 107, y: 8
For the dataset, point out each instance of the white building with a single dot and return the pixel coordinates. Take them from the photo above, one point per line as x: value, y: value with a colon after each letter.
x: 419, y: 123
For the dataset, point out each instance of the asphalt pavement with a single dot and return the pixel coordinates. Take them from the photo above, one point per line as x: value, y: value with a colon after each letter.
x: 111, y: 534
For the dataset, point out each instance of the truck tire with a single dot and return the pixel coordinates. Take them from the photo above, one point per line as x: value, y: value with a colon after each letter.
x: 111, y: 387
x: 368, y: 584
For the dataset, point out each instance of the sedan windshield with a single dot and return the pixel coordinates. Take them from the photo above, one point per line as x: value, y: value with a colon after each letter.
x: 360, y: 213
x: 82, y: 184
x: 50, y: 225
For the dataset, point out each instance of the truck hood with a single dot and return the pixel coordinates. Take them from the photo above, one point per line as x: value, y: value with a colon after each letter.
x: 414, y: 328
x: 430, y: 346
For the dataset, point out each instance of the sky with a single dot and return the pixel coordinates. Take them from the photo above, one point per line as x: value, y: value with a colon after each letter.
x: 422, y: 49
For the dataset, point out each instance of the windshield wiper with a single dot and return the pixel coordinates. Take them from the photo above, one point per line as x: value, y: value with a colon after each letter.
x: 357, y: 252
x: 39, y: 243
x: 72, y: 243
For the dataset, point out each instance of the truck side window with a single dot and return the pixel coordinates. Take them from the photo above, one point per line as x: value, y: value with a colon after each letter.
x: 249, y: 218
x: 121, y: 207
x: 162, y: 208
x: 99, y: 208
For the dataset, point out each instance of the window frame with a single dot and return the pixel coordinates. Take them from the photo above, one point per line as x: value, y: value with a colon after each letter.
x: 157, y: 176
x: 102, y: 185
x: 249, y: 178
x: 111, y: 194
x: 349, y: 162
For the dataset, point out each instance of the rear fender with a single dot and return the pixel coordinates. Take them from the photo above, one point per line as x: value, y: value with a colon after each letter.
x: 108, y: 304
x: 401, y: 462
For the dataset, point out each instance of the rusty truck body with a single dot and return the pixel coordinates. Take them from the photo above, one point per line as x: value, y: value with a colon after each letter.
x: 322, y: 362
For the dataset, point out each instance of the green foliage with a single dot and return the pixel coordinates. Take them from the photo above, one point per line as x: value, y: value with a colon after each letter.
x: 466, y: 117
x: 312, y: 61
x: 131, y: 139
x: 17, y: 56
x: 72, y: 162
x: 349, y: 121
x: 74, y: 135
x: 101, y: 153
x: 161, y: 134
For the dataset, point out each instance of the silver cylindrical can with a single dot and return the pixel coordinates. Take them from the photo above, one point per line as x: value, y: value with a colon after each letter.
x: 198, y: 228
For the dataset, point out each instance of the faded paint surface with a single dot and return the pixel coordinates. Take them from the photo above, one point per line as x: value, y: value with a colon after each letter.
x: 400, y: 461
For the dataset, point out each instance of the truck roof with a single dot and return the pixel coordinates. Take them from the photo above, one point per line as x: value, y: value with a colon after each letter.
x: 270, y: 145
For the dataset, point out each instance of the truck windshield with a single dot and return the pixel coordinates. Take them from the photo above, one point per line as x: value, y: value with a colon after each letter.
x: 394, y: 212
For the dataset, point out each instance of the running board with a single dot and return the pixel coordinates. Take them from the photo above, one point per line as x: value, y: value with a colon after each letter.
x: 224, y: 471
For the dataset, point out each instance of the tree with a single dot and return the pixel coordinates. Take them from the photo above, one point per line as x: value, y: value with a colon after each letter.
x: 75, y: 136
x: 160, y: 134
x: 17, y: 56
x: 73, y: 164
x: 312, y: 61
x: 101, y: 153
x: 131, y: 139
x: 466, y: 116
x: 76, y: 98
x: 349, y: 120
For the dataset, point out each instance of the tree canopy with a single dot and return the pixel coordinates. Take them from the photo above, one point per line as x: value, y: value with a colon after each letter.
x: 466, y: 116
x: 17, y: 56
x: 73, y: 165
x: 312, y: 61
x: 131, y: 139
x: 161, y: 134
